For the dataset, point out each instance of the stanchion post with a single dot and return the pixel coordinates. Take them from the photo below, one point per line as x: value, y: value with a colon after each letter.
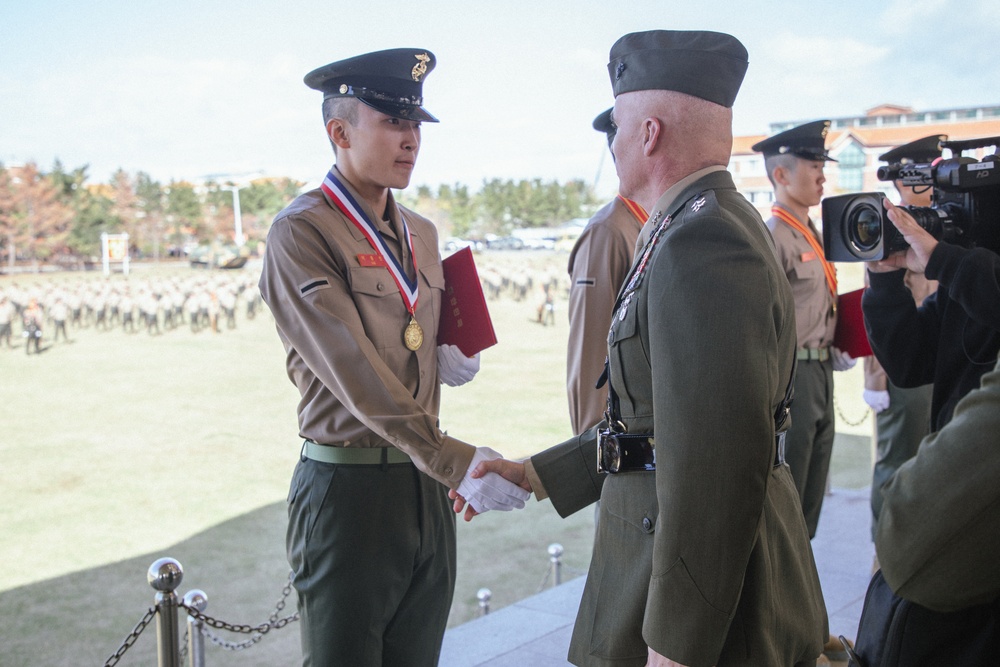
x: 196, y: 599
x: 484, y: 595
x: 555, y: 557
x: 165, y: 576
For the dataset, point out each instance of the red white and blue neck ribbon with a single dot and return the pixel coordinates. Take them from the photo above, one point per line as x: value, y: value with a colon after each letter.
x: 350, y: 207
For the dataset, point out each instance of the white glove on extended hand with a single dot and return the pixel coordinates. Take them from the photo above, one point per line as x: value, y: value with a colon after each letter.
x: 841, y: 360
x: 491, y: 491
x: 876, y: 400
x: 454, y: 368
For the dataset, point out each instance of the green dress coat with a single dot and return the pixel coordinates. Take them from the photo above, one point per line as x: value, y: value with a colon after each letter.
x: 707, y: 560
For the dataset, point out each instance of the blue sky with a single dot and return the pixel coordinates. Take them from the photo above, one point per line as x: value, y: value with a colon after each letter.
x: 184, y: 89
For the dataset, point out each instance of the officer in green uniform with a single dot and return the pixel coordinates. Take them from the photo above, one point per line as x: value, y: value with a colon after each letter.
x: 701, y: 556
x: 794, y: 162
x: 355, y: 283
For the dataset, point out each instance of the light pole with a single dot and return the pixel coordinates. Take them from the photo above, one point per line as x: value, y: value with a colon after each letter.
x: 236, y: 213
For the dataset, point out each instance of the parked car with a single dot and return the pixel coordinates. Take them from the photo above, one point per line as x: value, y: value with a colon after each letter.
x: 226, y: 257
x: 506, y: 243
x: 454, y: 243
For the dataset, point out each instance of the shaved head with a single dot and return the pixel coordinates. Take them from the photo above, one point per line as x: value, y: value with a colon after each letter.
x: 664, y: 135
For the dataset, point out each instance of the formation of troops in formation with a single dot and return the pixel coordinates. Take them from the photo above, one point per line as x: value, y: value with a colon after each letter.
x: 155, y: 305
x: 198, y: 301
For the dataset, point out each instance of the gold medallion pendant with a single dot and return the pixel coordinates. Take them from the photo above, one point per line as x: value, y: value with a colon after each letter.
x: 413, y: 336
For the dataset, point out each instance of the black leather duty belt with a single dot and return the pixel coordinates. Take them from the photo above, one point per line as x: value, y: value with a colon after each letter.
x: 636, y: 452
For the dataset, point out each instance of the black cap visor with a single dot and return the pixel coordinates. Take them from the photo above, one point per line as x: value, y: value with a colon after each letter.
x: 807, y: 154
x: 401, y: 111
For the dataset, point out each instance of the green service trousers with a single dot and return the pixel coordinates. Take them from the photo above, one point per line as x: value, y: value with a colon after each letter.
x: 809, y: 442
x: 898, y: 432
x: 372, y: 549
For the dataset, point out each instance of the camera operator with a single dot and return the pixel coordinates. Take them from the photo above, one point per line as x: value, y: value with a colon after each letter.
x: 902, y: 415
x: 950, y: 340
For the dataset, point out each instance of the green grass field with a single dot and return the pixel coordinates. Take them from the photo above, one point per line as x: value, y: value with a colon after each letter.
x: 118, y: 449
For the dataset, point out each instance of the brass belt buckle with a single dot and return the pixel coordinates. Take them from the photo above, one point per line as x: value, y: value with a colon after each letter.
x: 609, y: 455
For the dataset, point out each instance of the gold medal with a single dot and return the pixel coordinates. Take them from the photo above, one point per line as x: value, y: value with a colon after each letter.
x: 413, y: 336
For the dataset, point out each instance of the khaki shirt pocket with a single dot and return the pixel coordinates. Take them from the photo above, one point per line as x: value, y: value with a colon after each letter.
x: 807, y: 273
x: 433, y: 276
x: 379, y: 303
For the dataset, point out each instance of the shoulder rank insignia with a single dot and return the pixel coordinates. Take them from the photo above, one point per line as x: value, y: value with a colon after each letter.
x: 697, y: 204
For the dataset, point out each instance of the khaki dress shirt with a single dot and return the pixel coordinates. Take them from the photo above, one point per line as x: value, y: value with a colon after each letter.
x: 815, y: 318
x: 597, y: 265
x: 341, y: 320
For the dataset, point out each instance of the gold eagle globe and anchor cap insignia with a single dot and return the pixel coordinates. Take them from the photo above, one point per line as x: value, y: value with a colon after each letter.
x: 387, y: 81
x: 421, y: 67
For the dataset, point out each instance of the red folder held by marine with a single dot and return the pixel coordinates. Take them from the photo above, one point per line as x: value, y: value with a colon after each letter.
x: 465, y: 319
x: 850, y: 335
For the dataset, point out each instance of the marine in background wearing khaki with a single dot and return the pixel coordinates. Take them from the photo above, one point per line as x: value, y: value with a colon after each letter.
x: 794, y: 162
x: 598, y: 264
x: 7, y: 313
x: 902, y: 415
x: 355, y: 283
x: 706, y: 559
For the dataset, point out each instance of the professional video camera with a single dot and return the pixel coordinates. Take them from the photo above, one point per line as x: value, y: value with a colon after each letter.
x: 965, y: 209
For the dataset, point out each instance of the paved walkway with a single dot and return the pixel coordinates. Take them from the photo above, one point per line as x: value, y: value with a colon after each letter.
x: 536, y: 631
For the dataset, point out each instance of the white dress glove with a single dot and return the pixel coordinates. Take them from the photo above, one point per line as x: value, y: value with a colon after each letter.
x: 454, y: 368
x: 491, y: 491
x: 841, y: 360
x: 876, y: 400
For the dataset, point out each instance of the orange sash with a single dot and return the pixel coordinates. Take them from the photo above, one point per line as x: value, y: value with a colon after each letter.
x: 637, y: 210
x: 792, y: 221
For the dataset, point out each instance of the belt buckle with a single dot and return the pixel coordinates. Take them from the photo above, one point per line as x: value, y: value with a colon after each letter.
x: 625, y: 452
x: 609, y: 454
x: 779, y: 448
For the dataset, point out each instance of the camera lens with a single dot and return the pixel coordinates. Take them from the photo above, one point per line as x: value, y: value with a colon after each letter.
x: 864, y: 227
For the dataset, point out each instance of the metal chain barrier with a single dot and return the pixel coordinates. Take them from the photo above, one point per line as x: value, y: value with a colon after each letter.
x: 256, y: 632
x: 165, y: 574
x: 132, y: 637
x: 859, y: 422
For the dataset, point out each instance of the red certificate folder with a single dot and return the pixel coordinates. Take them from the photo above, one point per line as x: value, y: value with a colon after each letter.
x: 850, y: 335
x: 465, y: 319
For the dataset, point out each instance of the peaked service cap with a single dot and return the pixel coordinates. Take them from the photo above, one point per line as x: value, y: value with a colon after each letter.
x: 927, y: 149
x: 603, y: 123
x: 806, y: 141
x: 389, y: 81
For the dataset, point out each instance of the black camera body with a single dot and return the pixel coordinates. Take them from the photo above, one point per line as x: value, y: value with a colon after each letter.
x: 965, y: 207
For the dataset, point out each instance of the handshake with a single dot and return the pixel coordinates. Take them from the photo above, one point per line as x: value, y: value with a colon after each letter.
x: 491, y: 483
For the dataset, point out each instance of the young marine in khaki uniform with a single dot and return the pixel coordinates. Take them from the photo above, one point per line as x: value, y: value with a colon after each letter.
x: 794, y: 161
x: 598, y: 263
x: 354, y: 282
